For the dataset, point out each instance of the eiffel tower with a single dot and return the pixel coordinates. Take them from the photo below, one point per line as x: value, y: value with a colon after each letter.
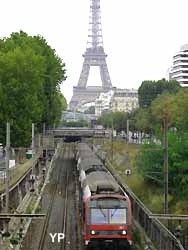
x: 94, y: 56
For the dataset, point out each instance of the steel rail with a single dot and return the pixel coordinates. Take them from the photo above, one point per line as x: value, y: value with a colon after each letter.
x: 49, y: 212
x: 33, y: 216
x: 63, y: 243
x: 46, y: 223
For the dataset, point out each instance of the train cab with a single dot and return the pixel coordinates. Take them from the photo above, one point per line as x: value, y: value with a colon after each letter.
x: 108, y: 221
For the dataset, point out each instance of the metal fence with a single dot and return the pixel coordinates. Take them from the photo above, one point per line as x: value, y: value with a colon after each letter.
x: 160, y: 236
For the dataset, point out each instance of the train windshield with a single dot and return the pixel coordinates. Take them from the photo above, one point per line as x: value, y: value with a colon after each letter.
x: 108, y: 211
x: 108, y: 216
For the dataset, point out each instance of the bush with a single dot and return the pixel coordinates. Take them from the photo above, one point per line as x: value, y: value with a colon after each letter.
x: 149, y: 162
x: 136, y: 236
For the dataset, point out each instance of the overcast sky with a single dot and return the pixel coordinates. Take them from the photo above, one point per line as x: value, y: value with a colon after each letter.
x: 140, y: 36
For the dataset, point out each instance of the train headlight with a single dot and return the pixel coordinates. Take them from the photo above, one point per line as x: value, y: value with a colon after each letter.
x: 124, y: 232
x: 92, y: 232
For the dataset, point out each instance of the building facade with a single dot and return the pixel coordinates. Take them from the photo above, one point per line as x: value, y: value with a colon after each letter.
x: 103, y: 103
x: 124, y: 100
x: 179, y: 69
x: 84, y: 107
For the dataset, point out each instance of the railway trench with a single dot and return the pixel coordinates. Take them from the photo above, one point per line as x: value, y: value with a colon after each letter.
x: 60, y: 204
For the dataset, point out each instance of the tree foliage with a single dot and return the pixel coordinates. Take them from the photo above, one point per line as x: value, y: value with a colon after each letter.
x: 149, y: 90
x: 165, y: 108
x: 143, y: 120
x: 117, y: 120
x: 181, y: 101
x: 173, y: 109
x: 30, y: 78
x: 150, y: 164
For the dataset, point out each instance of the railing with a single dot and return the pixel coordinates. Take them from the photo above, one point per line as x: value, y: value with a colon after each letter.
x: 161, y: 237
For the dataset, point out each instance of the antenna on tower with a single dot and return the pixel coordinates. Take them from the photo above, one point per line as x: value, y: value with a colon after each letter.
x: 95, y: 38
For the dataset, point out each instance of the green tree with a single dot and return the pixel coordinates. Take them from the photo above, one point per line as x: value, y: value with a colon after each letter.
x: 172, y: 111
x: 181, y: 100
x: 30, y: 78
x: 149, y: 162
x: 149, y: 90
x: 105, y: 120
x: 116, y: 119
x: 120, y: 120
x: 178, y: 162
x: 143, y: 120
x: 21, y: 86
x: 164, y: 109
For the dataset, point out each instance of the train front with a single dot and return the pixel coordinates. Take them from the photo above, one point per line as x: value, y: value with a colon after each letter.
x: 108, y: 222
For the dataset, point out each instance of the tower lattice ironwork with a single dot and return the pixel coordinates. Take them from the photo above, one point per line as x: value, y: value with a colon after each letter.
x: 93, y: 56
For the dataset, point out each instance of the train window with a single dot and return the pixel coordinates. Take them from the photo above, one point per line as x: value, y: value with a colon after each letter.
x: 108, y: 211
x: 108, y: 216
x: 109, y: 203
x: 117, y: 216
x: 99, y: 216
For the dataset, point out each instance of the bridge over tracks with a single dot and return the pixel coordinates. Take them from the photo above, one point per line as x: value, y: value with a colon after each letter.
x: 75, y: 134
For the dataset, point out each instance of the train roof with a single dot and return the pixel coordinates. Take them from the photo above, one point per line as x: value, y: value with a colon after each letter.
x: 98, y: 178
x: 100, y: 182
x: 84, y: 150
x: 83, y: 147
x: 92, y: 161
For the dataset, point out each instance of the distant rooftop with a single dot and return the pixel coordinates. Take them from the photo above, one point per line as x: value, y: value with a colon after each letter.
x: 126, y: 90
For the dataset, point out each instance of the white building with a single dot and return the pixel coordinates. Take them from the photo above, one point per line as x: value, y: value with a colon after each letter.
x: 179, y: 70
x: 103, y: 103
x: 82, y: 107
x: 125, y: 100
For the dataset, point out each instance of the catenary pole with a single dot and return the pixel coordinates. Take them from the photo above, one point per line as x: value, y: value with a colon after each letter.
x: 32, y: 177
x: 127, y: 131
x: 7, y: 174
x: 33, y: 147
x: 112, y: 139
x: 165, y: 166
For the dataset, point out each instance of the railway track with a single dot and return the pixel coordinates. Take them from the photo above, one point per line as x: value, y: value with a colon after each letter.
x: 56, y: 213
x: 72, y: 228
x: 62, y: 213
x: 46, y: 223
x: 60, y: 203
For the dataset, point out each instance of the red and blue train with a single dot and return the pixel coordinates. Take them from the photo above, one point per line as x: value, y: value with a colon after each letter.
x: 106, y: 208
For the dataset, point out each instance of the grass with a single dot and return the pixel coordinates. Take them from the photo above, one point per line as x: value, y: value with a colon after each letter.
x: 150, y: 194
